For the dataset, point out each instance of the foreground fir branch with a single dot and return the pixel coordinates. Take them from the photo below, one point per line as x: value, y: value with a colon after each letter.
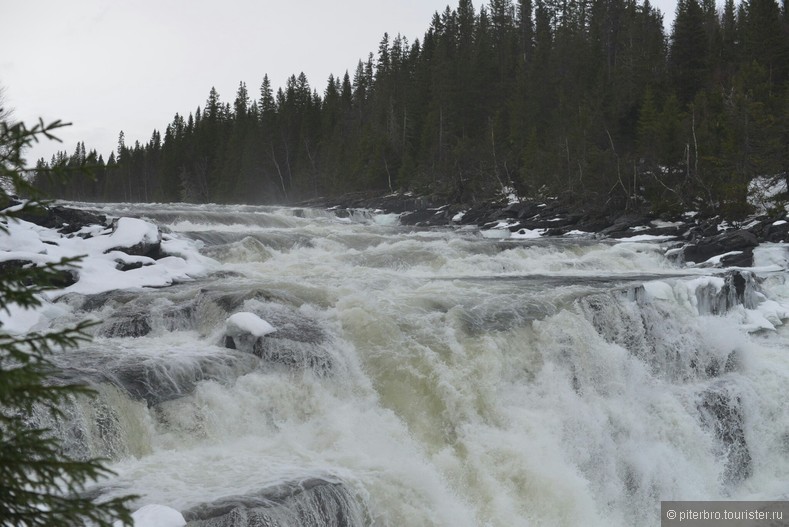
x: 40, y: 484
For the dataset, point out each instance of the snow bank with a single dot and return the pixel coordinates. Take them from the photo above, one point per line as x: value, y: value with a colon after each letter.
x: 106, y: 261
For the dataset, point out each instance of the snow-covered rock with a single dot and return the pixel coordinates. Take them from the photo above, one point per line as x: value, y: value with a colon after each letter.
x: 111, y: 259
x: 157, y: 516
x: 135, y: 237
x: 248, y: 323
x: 242, y: 331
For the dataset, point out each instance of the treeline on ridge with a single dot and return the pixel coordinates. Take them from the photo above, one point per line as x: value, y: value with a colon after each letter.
x: 585, y: 98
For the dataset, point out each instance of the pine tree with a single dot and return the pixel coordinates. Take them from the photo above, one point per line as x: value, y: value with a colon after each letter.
x: 688, y: 54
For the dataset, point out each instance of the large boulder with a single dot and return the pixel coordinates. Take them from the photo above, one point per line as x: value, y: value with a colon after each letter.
x: 244, y: 329
x: 776, y: 232
x: 64, y: 219
x: 61, y: 278
x: 312, y: 502
x: 297, y: 343
x: 739, y: 241
x: 135, y: 237
x: 721, y: 411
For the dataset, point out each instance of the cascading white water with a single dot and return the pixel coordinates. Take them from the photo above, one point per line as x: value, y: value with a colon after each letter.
x: 436, y: 377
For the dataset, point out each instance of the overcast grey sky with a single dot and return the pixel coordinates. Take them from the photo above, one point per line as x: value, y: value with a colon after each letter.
x: 108, y: 65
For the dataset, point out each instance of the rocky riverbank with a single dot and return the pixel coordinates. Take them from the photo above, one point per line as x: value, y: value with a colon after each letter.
x: 703, y: 240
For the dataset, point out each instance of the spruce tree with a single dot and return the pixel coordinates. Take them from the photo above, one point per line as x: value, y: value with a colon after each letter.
x: 41, y: 485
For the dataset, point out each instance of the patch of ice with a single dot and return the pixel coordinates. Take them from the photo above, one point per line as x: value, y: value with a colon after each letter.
x: 459, y: 216
x: 779, y: 222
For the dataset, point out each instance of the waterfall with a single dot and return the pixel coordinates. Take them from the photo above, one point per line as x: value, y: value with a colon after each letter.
x: 429, y: 377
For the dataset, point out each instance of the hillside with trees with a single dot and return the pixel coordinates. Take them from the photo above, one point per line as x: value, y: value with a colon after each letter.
x: 589, y: 99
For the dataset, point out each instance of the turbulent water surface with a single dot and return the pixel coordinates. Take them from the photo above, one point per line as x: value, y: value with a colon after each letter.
x: 432, y: 377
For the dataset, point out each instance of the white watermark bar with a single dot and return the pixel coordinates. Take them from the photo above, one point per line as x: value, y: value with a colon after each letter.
x: 724, y: 514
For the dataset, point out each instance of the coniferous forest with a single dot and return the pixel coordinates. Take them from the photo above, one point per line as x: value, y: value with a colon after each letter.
x: 587, y: 99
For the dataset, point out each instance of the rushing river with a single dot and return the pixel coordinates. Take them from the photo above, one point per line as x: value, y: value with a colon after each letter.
x: 434, y: 377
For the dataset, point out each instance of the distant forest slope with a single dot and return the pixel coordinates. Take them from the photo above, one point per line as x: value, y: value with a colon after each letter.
x: 584, y: 98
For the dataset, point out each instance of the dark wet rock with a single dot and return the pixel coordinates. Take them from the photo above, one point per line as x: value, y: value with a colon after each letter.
x: 593, y: 224
x: 127, y: 266
x: 394, y: 203
x: 65, y: 219
x: 742, y: 259
x: 483, y: 213
x: 776, y: 233
x: 623, y: 225
x: 232, y: 301
x: 426, y: 217
x: 722, y: 412
x: 703, y: 229
x: 99, y: 300
x: 524, y: 210
x: 127, y: 326
x: 294, y: 355
x: 125, y: 313
x: 153, y: 379
x: 309, y: 503
x: 60, y: 278
x: 739, y: 240
x: 297, y: 344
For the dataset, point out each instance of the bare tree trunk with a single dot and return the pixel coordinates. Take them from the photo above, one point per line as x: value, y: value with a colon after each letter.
x: 279, y: 171
x: 618, y: 171
x: 388, y: 174
x: 314, y: 168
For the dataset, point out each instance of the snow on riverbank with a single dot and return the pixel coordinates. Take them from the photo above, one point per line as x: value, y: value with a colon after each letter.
x: 130, y: 254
